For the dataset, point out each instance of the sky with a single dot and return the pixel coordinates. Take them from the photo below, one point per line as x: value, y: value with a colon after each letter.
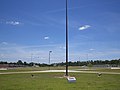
x: 29, y: 29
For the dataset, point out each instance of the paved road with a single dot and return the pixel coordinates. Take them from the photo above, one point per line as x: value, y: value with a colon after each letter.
x: 58, y: 71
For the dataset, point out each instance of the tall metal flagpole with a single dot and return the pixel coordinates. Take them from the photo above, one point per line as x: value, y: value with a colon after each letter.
x: 66, y: 41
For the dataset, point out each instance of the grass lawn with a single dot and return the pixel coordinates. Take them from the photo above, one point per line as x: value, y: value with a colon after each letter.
x: 22, y: 69
x: 52, y: 81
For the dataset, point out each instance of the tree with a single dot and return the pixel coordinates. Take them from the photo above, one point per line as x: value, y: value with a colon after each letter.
x: 20, y: 62
x: 25, y: 63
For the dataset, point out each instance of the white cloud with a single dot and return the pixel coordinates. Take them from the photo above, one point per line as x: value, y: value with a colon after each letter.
x: 84, y: 27
x: 91, y: 49
x: 4, y: 43
x: 62, y: 47
x: 46, y: 38
x: 40, y: 53
x: 13, y: 22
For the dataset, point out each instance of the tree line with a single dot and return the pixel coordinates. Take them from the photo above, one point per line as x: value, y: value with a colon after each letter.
x: 70, y: 63
x: 92, y: 62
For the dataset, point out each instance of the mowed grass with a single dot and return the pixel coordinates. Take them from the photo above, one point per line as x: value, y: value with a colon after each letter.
x: 78, y: 68
x: 22, y: 69
x: 54, y: 81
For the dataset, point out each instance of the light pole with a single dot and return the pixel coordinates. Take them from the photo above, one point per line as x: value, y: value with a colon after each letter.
x: 66, y: 41
x: 49, y: 59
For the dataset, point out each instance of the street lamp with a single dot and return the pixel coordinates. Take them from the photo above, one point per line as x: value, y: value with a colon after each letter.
x: 49, y: 59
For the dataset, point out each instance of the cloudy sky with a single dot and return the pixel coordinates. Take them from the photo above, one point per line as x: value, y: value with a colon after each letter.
x: 32, y: 28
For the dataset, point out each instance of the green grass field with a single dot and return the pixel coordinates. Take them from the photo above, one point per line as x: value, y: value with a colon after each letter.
x: 21, y: 69
x: 53, y: 81
x: 78, y: 68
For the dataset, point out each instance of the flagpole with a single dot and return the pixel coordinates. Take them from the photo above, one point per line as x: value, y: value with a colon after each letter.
x: 66, y: 40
